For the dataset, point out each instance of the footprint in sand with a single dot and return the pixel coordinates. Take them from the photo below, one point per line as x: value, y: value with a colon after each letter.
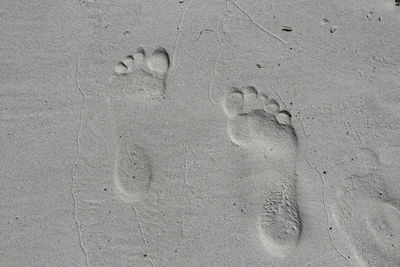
x: 132, y: 171
x: 140, y: 73
x: 367, y: 217
x: 146, y: 78
x: 119, y: 87
x: 113, y: 175
x: 257, y: 124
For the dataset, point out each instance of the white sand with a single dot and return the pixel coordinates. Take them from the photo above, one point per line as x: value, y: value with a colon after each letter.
x: 200, y: 133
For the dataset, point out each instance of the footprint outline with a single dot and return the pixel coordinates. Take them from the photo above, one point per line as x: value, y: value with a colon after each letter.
x: 257, y: 123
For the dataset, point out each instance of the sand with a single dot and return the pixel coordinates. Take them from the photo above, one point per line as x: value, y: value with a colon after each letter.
x: 200, y: 133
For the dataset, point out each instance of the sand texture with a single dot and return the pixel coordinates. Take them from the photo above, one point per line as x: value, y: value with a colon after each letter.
x: 200, y: 133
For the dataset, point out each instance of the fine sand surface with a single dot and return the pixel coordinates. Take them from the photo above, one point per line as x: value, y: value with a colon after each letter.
x: 200, y: 133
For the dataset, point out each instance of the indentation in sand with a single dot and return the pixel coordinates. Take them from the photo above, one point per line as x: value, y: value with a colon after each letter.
x: 257, y: 124
x: 132, y: 173
x: 144, y: 74
x: 368, y: 215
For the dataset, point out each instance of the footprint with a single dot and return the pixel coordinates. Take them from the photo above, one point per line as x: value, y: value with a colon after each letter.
x: 143, y: 74
x: 132, y: 171
x: 257, y: 124
x: 368, y: 216
x: 112, y: 180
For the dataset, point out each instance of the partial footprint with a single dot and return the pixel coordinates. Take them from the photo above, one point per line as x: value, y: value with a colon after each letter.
x: 143, y: 74
x: 132, y: 171
x: 279, y: 222
x: 368, y: 216
x: 257, y: 124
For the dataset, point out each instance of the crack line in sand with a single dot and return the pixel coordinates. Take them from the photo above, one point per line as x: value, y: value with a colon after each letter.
x: 218, y: 56
x: 184, y: 192
x: 201, y: 32
x: 78, y: 156
x: 185, y: 184
x: 143, y: 235
x: 323, y: 193
x: 258, y: 25
x: 221, y: 43
x: 179, y: 31
x: 186, y: 166
x: 323, y: 183
x: 215, y: 74
x: 315, y: 169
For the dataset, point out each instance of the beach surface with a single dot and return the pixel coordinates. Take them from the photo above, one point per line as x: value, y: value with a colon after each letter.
x: 200, y: 133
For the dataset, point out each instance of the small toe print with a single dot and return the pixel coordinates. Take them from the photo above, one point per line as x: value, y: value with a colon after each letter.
x: 272, y: 106
x: 129, y: 61
x: 139, y: 56
x: 263, y: 97
x: 121, y: 68
x: 250, y: 91
x: 284, y: 117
